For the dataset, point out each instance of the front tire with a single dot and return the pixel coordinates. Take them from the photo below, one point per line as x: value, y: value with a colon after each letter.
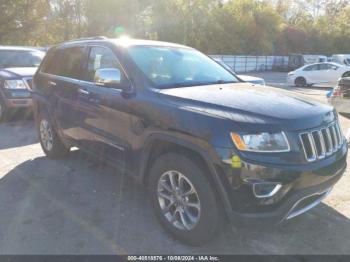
x: 300, y: 82
x: 49, y: 140
x: 183, y: 199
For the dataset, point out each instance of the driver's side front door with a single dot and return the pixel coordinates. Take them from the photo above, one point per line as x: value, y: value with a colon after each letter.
x: 106, y: 120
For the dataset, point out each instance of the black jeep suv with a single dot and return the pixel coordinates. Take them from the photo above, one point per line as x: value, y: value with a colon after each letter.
x: 206, y: 145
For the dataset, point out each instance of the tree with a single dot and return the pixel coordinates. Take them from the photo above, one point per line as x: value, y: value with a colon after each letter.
x: 20, y: 20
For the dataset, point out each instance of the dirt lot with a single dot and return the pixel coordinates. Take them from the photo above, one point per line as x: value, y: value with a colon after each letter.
x: 80, y: 206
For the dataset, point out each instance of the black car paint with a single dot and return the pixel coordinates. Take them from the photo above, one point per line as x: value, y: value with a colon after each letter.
x: 126, y: 127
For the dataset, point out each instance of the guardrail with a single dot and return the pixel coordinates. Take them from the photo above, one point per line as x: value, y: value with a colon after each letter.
x: 243, y: 64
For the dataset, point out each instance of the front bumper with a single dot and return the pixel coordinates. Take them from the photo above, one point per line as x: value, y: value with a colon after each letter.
x: 18, y: 103
x: 303, y: 187
x: 294, y: 205
x: 20, y: 98
x: 290, y: 80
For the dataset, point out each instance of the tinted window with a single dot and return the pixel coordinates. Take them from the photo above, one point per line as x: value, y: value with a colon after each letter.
x: 311, y: 68
x: 51, y: 63
x: 71, y: 62
x: 20, y: 58
x: 100, y: 58
x: 323, y: 67
x: 169, y: 67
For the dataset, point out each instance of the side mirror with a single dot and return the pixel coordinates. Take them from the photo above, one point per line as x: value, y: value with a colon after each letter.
x: 110, y: 77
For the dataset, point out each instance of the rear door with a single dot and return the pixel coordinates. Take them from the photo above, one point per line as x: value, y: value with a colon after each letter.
x: 67, y: 89
x: 59, y: 77
x: 329, y: 73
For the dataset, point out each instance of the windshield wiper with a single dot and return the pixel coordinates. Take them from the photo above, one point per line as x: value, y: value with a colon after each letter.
x: 183, y: 84
x: 223, y: 82
x: 189, y: 84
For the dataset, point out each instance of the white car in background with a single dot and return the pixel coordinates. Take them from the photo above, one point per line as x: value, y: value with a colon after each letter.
x: 343, y: 59
x: 318, y: 73
x: 245, y: 78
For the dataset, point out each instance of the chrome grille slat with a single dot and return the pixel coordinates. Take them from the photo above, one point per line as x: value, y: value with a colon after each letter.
x: 313, y: 147
x: 335, y: 146
x: 323, y: 147
x: 319, y: 143
x: 339, y: 134
x: 329, y: 140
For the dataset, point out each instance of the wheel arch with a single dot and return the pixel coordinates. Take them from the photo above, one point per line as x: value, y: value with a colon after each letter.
x: 346, y: 74
x: 301, y: 77
x: 160, y: 144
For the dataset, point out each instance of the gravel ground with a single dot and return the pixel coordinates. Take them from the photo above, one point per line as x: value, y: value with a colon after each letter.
x: 80, y: 206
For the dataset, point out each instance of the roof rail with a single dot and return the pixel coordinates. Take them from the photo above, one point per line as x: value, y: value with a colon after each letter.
x: 87, y: 38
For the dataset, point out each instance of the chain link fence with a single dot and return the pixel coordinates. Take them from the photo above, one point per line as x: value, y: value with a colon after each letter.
x: 243, y: 64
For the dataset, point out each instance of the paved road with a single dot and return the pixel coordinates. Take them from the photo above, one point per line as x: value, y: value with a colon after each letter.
x: 80, y: 206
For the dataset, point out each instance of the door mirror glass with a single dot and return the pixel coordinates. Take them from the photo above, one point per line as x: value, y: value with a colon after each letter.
x: 108, y: 77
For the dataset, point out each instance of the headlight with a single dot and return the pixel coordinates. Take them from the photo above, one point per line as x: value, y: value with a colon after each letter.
x: 262, y: 142
x: 15, y: 84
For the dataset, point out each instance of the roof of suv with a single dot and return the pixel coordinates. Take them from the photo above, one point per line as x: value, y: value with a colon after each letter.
x: 125, y: 41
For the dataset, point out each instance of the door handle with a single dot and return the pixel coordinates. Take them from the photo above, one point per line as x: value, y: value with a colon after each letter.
x: 94, y: 100
x: 83, y: 92
x: 52, y: 83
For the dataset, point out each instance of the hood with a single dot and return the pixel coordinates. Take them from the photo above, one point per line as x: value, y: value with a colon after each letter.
x: 246, y: 103
x: 17, y: 72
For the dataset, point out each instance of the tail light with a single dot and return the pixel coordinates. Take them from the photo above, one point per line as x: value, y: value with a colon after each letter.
x: 336, y: 93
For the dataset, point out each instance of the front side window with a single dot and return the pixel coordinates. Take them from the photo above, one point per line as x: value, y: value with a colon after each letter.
x: 20, y: 58
x: 169, y: 67
x: 100, y: 58
x: 311, y: 68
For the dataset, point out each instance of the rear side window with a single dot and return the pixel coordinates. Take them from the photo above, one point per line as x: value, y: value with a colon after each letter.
x: 64, y: 62
x: 325, y: 67
x: 71, y: 62
x: 50, y: 63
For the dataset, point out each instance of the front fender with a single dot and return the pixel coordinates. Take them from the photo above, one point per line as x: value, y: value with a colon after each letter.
x: 202, y: 148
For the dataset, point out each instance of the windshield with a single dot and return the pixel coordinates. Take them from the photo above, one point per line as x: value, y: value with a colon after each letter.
x: 178, y: 67
x: 347, y: 61
x: 20, y: 58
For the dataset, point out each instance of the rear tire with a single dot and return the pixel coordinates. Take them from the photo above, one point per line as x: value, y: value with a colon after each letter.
x: 193, y: 218
x: 50, y: 142
x: 300, y: 82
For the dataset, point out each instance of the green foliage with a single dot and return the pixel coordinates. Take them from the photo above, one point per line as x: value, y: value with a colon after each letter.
x: 213, y: 26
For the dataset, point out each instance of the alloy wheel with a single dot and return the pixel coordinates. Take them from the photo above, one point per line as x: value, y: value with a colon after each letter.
x: 178, y: 200
x: 46, y: 134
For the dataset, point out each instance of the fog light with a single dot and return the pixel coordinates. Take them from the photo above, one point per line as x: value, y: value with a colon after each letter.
x: 236, y: 162
x: 264, y: 190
